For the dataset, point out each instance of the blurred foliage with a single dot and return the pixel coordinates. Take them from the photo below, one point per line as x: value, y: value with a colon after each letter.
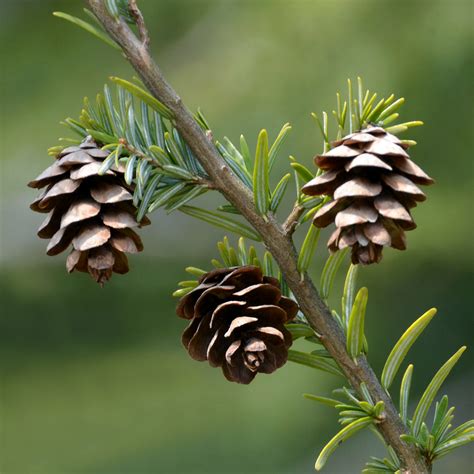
x: 95, y: 381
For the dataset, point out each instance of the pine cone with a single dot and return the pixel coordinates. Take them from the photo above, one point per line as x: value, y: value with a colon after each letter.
x: 92, y: 212
x: 238, y: 321
x: 372, y: 182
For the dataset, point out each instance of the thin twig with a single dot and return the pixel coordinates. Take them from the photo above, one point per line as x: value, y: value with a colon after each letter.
x: 140, y: 22
x: 278, y: 243
x: 199, y: 180
x: 291, y: 222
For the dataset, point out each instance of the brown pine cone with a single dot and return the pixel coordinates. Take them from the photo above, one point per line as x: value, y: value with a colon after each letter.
x: 93, y: 213
x: 372, y: 183
x: 238, y: 321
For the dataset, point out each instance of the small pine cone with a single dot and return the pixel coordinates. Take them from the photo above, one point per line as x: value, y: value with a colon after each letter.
x: 372, y: 183
x: 238, y: 321
x: 93, y: 213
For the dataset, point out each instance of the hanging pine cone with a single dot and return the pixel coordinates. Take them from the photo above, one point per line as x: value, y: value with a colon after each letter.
x: 93, y: 212
x: 372, y: 183
x: 238, y: 321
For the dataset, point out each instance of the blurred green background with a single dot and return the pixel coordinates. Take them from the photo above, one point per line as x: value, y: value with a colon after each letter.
x: 95, y: 380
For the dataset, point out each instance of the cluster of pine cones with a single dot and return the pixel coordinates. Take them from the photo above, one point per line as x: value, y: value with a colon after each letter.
x: 237, y: 315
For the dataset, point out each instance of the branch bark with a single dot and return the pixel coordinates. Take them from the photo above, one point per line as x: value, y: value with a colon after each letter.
x: 277, y: 239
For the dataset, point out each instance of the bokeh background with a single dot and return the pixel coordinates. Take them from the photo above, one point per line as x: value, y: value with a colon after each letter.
x: 95, y: 380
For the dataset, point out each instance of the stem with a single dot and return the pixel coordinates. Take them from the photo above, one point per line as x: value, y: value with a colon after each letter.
x: 199, y: 180
x: 277, y: 240
x: 140, y: 22
x: 289, y: 226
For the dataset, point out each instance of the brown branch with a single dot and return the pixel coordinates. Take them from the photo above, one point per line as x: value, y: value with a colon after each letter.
x: 276, y: 240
